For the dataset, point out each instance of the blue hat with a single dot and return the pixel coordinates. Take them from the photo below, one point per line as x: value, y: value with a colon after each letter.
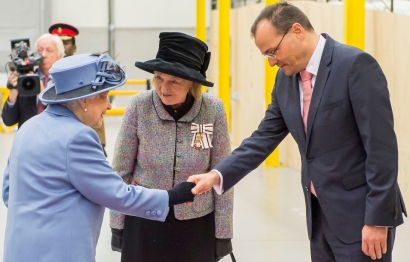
x: 80, y: 76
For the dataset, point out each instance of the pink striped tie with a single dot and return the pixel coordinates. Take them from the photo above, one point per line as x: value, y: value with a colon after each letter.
x: 307, y: 96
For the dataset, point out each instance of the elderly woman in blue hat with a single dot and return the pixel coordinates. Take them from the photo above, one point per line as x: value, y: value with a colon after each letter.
x: 58, y: 181
x: 166, y: 135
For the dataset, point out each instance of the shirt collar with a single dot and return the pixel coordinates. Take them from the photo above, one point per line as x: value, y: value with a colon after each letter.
x: 314, y: 62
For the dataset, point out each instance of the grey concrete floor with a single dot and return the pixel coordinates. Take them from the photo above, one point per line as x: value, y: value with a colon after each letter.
x: 269, y: 214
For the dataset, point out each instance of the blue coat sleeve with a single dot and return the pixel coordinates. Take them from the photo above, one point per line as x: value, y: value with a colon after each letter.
x: 90, y: 173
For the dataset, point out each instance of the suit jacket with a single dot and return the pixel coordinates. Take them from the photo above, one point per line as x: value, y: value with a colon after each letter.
x: 56, y: 185
x: 153, y: 150
x: 23, y: 109
x: 350, y: 148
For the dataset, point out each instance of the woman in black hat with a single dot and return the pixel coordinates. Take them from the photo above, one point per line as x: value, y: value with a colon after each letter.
x: 58, y: 182
x: 166, y: 135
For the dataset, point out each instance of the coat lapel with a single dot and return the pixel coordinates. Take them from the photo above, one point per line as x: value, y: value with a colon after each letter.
x: 194, y: 112
x: 297, y: 115
x: 320, y: 84
x: 161, y: 112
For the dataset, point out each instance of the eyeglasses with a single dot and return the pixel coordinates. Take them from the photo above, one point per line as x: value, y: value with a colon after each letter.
x: 271, y: 55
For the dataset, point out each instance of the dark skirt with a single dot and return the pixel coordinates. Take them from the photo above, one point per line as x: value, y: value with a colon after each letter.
x: 170, y: 241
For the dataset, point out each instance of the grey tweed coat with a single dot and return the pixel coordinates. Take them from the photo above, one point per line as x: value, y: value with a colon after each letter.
x: 151, y: 145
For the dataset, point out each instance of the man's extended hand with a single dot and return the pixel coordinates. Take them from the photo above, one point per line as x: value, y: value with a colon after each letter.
x: 204, y: 182
x: 374, y: 241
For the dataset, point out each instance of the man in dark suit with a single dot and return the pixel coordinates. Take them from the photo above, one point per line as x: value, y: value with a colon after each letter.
x: 18, y: 109
x: 341, y: 118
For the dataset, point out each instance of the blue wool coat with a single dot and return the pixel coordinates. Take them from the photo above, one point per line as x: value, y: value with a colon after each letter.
x: 56, y: 185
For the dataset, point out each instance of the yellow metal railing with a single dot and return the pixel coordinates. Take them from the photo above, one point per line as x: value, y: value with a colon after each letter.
x: 138, y: 82
x: 4, y: 92
x: 119, y: 111
x: 116, y: 111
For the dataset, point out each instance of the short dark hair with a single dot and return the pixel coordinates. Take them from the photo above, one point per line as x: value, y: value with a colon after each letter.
x: 282, y: 16
x: 73, y: 40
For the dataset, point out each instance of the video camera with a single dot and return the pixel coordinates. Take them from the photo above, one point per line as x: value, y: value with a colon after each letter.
x: 23, y: 61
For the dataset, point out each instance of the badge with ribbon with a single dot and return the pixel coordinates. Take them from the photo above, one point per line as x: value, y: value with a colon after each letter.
x: 201, y: 139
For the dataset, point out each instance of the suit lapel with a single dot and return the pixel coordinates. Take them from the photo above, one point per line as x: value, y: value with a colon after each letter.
x: 320, y: 84
x: 297, y: 114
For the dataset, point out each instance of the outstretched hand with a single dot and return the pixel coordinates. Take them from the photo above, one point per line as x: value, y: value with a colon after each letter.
x: 204, y: 182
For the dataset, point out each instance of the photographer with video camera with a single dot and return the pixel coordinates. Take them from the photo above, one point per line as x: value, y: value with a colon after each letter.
x: 25, y: 81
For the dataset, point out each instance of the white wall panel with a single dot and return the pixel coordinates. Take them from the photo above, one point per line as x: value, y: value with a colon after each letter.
x: 128, y: 13
x: 80, y: 13
x: 157, y: 13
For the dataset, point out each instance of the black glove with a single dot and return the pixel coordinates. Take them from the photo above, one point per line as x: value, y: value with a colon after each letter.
x: 181, y: 193
x: 116, y: 239
x: 222, y: 248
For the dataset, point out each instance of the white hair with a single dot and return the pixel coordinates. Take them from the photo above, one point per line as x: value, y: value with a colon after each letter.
x: 74, y: 105
x: 56, y: 39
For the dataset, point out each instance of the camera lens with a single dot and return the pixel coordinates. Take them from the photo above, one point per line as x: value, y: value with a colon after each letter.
x: 28, y: 84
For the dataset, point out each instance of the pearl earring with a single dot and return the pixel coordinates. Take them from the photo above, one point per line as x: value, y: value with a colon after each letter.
x: 85, y: 109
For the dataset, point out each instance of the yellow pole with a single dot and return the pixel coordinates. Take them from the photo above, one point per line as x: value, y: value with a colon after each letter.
x: 270, y: 74
x: 224, y: 86
x: 354, y: 26
x: 200, y: 30
x: 200, y: 20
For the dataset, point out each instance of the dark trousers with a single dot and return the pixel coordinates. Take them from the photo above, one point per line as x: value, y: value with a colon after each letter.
x: 325, y: 246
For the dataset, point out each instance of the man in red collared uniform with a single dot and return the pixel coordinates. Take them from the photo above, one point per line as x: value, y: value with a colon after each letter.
x: 67, y: 33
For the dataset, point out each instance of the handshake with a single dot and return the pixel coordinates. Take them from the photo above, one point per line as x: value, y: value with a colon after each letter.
x: 185, y: 193
x: 181, y: 193
x: 196, y: 184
